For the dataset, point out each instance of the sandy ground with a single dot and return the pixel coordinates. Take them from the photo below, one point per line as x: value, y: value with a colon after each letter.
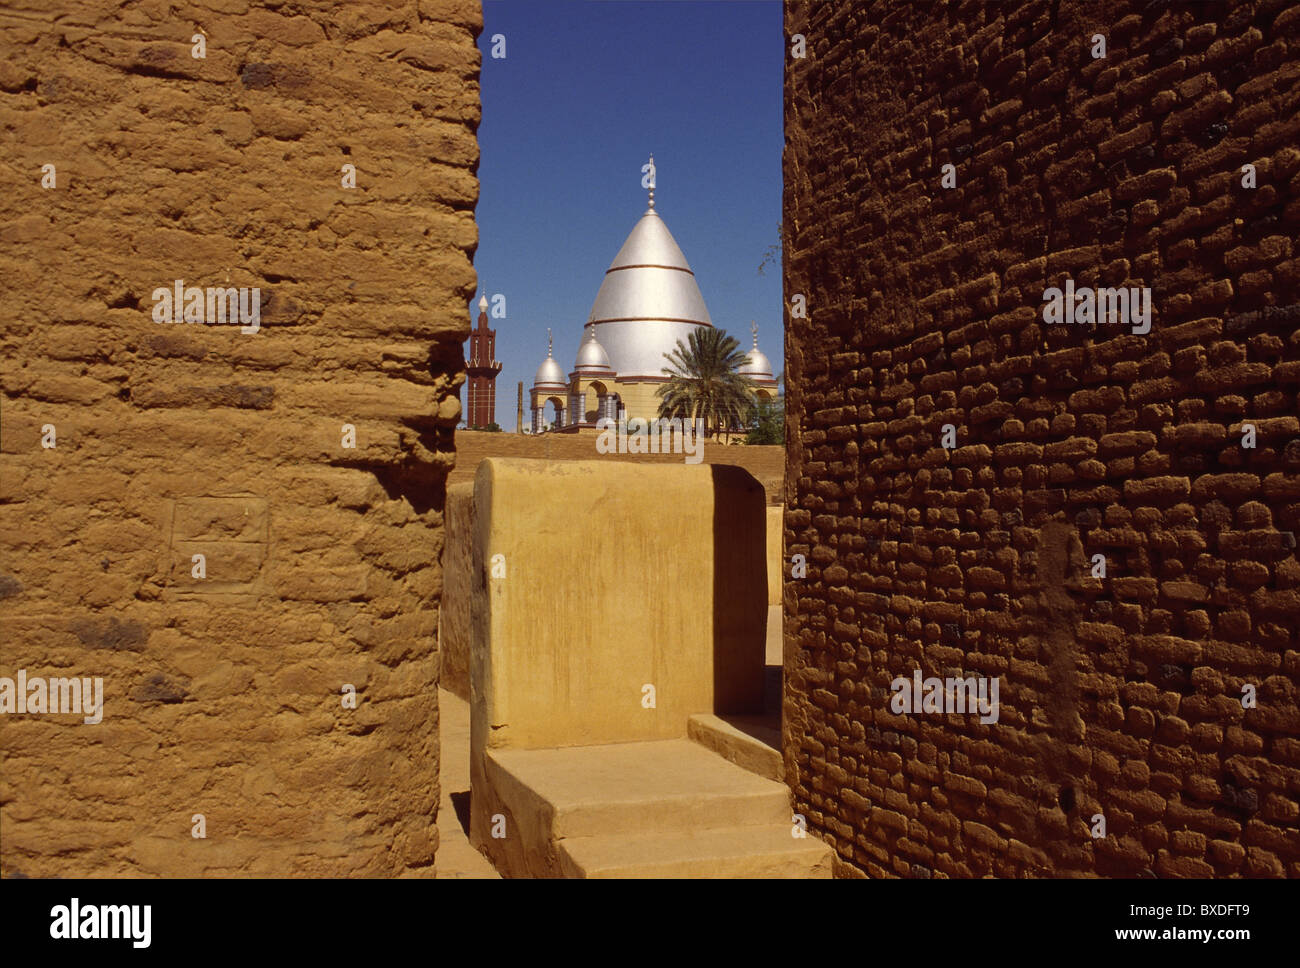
x: 767, y: 464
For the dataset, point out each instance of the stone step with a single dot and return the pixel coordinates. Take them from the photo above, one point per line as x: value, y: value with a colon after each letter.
x: 751, y: 742
x: 630, y: 788
x: 767, y: 851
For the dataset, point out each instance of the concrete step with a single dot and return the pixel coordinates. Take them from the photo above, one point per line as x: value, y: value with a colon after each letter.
x: 766, y: 851
x: 632, y: 788
x: 751, y: 742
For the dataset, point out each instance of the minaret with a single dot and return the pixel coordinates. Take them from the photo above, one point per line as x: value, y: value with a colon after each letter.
x: 482, y: 367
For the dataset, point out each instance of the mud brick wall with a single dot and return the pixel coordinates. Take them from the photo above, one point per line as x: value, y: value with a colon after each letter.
x: 1120, y: 696
x: 223, y: 695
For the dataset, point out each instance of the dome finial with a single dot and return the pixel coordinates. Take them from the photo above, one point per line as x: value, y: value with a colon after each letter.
x: 482, y: 302
x: 753, y: 328
x: 650, y: 178
x: 548, y: 342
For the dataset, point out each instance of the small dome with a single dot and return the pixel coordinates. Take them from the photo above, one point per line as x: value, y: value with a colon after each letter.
x: 591, y: 355
x: 549, y: 374
x: 757, y: 367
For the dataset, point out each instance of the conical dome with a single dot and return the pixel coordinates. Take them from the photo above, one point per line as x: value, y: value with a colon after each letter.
x: 648, y: 301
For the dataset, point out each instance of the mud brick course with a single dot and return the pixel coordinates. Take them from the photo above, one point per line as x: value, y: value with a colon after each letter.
x: 223, y: 694
x: 1120, y: 696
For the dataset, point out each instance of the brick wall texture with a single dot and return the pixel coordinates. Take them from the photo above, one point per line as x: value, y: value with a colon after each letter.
x: 223, y: 694
x: 1119, y: 696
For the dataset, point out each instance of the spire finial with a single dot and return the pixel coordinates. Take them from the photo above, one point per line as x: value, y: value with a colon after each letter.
x: 482, y: 302
x: 651, y: 179
x: 753, y: 328
x: 548, y: 342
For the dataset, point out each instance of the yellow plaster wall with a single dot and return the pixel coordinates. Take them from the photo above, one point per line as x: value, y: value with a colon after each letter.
x: 616, y: 575
x: 639, y: 399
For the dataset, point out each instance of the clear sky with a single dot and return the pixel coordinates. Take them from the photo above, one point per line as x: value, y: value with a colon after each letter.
x: 586, y: 92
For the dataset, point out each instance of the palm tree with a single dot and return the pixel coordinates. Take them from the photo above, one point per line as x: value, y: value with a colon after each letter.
x: 703, y: 382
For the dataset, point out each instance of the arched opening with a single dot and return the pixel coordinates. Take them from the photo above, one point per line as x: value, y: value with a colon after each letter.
x: 553, y: 413
x: 595, y: 402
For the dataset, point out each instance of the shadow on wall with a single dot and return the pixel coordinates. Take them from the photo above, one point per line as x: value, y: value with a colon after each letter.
x: 419, y: 473
x: 739, y: 589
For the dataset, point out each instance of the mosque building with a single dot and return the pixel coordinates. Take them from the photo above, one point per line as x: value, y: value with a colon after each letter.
x: 647, y: 302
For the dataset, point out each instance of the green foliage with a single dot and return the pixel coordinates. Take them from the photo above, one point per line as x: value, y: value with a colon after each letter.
x: 703, y: 382
x: 493, y: 428
x: 768, y: 423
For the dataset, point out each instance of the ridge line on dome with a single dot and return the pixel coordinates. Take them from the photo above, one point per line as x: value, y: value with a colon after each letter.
x: 647, y: 265
x: 648, y: 319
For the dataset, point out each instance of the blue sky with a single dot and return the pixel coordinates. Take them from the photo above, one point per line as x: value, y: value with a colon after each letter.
x: 586, y: 92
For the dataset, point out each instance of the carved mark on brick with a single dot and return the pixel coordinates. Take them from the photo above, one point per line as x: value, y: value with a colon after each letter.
x: 230, y: 532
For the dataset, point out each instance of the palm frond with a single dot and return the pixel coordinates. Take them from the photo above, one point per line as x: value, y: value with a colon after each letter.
x: 704, y: 382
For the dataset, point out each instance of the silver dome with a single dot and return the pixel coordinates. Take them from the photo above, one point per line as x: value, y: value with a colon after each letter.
x: 648, y: 301
x: 592, y: 357
x: 757, y: 367
x: 549, y: 374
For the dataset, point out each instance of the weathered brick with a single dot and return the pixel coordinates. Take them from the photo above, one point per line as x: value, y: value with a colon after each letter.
x: 1073, y: 440
x: 322, y: 561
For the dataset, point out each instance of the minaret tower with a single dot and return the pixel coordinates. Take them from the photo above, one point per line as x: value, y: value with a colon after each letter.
x: 482, y: 367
